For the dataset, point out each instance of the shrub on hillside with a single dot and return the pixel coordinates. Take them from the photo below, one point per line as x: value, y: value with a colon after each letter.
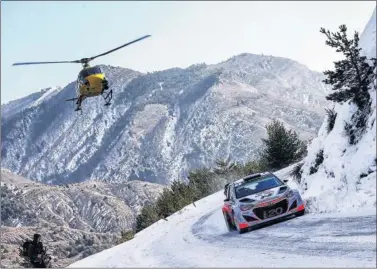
x: 331, y: 117
x: 297, y: 172
x: 126, y: 236
x: 12, y: 207
x: 318, y: 161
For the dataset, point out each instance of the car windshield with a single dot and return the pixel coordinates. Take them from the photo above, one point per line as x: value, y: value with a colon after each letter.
x: 254, y: 186
x: 90, y: 71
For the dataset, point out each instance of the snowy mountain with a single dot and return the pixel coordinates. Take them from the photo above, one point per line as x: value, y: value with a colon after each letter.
x: 161, y: 124
x: 69, y: 215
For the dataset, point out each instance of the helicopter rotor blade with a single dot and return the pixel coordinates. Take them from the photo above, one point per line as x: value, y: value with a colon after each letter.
x: 129, y: 43
x: 85, y: 60
x: 58, y: 62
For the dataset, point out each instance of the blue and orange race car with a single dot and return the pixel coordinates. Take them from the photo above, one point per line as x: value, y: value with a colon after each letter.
x: 257, y: 199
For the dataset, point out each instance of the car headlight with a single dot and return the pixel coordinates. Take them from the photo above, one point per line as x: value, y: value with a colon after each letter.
x: 246, y: 207
x: 290, y: 194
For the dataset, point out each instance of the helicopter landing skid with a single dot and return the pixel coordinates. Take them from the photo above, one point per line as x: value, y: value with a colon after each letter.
x: 78, y: 108
x: 78, y: 103
x: 108, y: 97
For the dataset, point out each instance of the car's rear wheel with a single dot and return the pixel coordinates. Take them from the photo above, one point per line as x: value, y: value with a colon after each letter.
x: 228, y: 221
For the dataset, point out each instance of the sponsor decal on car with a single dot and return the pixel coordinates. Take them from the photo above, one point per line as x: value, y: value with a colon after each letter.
x: 270, y: 202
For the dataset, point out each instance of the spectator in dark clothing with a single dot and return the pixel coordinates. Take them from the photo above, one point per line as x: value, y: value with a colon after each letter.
x: 36, y: 252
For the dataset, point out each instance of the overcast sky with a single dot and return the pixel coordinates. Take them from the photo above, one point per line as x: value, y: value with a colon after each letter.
x: 183, y: 33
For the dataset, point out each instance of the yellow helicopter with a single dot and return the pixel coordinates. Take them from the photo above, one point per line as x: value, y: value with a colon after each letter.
x: 91, y: 81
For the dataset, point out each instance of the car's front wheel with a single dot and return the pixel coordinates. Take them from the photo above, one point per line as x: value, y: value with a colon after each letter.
x: 300, y: 213
x: 240, y: 230
x: 228, y: 221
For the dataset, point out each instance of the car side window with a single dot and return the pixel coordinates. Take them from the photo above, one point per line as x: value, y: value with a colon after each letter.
x: 231, y: 196
x: 228, y: 192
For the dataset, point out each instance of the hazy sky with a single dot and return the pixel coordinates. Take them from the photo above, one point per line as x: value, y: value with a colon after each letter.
x: 183, y: 33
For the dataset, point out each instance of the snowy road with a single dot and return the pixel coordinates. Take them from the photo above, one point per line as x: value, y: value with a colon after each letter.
x: 197, y: 237
x: 315, y: 236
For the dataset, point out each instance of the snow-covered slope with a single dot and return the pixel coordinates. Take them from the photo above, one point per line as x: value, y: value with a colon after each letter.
x: 346, y: 179
x: 16, y: 106
x: 368, y: 37
x: 162, y: 124
x: 49, y: 92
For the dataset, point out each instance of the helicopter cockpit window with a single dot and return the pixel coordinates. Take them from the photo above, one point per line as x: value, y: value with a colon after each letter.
x: 82, y: 80
x: 89, y: 71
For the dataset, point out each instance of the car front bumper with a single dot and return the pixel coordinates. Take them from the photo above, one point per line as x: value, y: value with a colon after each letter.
x: 256, y: 216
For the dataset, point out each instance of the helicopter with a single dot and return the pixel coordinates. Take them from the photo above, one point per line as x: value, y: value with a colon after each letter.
x: 91, y: 81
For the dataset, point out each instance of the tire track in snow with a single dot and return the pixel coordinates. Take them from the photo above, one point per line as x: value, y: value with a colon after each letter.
x: 313, y: 235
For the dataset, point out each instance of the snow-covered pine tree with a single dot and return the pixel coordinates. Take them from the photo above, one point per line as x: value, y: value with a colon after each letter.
x: 353, y: 75
x: 352, y: 79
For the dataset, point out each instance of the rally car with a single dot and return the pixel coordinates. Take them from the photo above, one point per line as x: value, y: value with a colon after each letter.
x: 257, y: 199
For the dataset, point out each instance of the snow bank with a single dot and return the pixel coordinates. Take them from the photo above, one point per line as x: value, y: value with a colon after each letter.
x: 346, y: 179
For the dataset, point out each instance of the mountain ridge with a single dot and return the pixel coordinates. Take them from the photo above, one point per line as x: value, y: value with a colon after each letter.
x: 164, y: 123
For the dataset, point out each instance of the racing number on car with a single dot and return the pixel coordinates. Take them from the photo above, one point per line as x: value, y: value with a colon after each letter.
x: 272, y: 212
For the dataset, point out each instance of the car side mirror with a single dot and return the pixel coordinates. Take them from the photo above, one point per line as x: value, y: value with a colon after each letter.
x: 285, y: 180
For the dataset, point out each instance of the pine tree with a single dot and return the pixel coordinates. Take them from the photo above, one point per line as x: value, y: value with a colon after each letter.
x: 202, y: 179
x: 147, y: 217
x: 282, y: 147
x: 353, y: 75
x: 253, y: 167
x: 224, y: 166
